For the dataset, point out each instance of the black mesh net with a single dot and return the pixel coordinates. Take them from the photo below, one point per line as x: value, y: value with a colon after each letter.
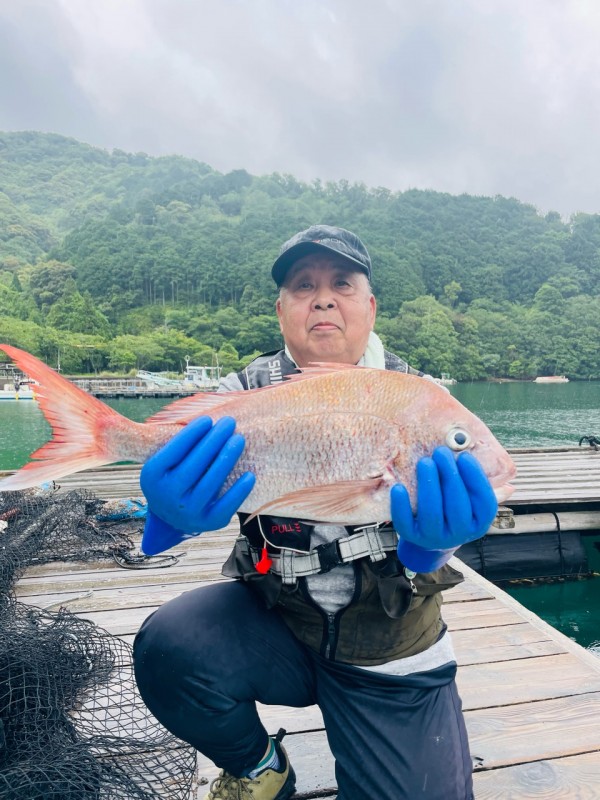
x: 72, y: 725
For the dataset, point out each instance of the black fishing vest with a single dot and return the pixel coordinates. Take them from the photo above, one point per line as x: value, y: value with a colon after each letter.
x: 271, y: 368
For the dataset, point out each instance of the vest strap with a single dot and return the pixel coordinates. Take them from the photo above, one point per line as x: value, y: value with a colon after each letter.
x: 369, y: 542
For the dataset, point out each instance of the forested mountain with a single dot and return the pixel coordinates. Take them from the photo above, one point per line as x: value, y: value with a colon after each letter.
x: 121, y: 261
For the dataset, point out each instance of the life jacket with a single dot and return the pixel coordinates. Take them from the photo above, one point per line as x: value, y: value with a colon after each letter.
x: 394, y: 613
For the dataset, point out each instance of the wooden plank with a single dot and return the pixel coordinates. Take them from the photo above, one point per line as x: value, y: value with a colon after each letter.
x: 118, y: 598
x: 466, y: 592
x: 509, y: 682
x: 531, y: 696
x: 207, y: 548
x: 481, y: 614
x: 504, y: 643
x: 119, y: 579
x: 534, y: 731
x: 571, y: 778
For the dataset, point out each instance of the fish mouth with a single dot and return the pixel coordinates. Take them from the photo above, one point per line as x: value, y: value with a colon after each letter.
x: 503, y: 492
x: 501, y: 484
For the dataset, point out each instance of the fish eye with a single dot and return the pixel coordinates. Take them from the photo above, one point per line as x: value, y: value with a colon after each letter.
x: 457, y: 439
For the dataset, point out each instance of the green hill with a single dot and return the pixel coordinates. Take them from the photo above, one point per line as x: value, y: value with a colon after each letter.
x: 125, y: 261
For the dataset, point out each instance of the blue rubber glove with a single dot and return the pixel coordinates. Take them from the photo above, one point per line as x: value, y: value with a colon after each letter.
x: 183, y: 480
x: 455, y: 505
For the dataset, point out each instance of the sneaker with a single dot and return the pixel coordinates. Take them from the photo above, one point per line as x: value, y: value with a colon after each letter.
x: 268, y: 785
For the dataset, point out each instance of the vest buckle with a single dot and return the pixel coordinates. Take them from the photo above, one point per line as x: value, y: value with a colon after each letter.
x: 329, y: 556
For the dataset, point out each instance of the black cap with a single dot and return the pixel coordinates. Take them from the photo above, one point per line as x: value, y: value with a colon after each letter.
x: 321, y: 238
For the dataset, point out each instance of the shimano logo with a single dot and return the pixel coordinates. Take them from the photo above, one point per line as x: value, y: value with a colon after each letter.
x: 275, y: 375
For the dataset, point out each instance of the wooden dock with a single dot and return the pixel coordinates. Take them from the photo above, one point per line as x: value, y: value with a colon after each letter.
x: 127, y: 388
x: 531, y: 695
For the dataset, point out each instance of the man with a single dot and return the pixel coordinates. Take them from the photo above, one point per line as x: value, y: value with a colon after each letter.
x: 360, y: 635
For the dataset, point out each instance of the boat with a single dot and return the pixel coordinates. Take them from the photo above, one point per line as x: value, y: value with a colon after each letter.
x: 551, y: 379
x: 202, y: 378
x: 159, y: 379
x: 446, y: 380
x: 17, y: 391
x: 14, y: 385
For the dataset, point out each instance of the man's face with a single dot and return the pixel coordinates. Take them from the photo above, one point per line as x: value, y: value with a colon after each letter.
x: 326, y: 310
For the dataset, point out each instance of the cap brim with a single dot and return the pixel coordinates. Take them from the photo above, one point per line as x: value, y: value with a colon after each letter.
x: 281, y: 266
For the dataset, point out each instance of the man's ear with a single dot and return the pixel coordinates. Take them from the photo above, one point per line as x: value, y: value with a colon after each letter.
x: 279, y: 312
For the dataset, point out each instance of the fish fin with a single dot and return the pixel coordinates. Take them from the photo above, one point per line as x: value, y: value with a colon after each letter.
x: 188, y: 408
x: 37, y: 472
x: 77, y: 420
x: 323, y: 503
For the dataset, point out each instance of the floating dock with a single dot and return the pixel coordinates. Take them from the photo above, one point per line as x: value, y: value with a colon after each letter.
x: 134, y: 388
x: 531, y: 696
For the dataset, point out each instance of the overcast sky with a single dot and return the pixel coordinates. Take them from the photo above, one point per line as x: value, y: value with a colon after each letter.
x: 480, y: 96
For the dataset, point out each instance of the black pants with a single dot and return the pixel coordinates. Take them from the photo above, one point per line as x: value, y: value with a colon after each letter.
x: 204, y: 659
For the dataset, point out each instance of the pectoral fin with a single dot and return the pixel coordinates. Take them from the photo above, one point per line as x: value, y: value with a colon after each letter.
x: 324, y: 503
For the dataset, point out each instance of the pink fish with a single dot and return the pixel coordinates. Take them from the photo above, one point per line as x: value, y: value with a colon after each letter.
x: 325, y: 445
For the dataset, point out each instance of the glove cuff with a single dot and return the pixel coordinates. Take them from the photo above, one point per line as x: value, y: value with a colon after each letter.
x: 159, y: 535
x: 420, y: 560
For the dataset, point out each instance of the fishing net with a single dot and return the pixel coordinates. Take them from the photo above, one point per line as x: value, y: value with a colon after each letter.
x: 72, y: 725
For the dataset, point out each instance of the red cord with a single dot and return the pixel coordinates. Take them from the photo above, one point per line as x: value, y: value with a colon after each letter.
x: 265, y: 563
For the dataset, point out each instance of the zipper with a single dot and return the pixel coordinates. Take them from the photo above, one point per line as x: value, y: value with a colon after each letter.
x: 331, y: 621
x: 331, y: 635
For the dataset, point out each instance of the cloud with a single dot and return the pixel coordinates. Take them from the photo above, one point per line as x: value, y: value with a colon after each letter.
x: 488, y: 98
x: 38, y: 90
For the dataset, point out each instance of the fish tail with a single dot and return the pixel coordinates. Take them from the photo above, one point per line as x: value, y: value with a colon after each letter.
x: 79, y: 425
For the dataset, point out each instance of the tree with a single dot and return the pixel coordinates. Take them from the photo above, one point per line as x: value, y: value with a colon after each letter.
x: 423, y: 333
x: 78, y: 313
x: 47, y: 282
x: 143, y: 352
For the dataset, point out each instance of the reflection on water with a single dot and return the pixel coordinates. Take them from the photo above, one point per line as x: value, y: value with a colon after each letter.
x: 573, y: 607
x: 23, y: 428
x: 535, y: 415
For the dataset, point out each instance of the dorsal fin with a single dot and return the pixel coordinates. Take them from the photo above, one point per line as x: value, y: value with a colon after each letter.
x: 188, y: 408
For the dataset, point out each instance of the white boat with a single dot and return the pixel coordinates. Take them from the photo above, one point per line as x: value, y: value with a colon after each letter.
x: 17, y: 390
x: 551, y: 379
x: 201, y: 378
x: 14, y: 384
x: 159, y: 379
x: 445, y: 380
